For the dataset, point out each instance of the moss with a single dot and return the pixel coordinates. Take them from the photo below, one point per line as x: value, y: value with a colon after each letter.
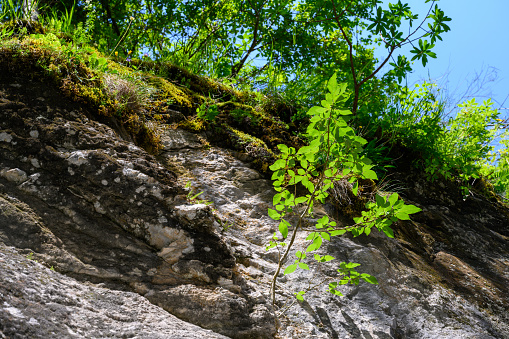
x: 23, y: 27
x: 347, y: 204
x: 240, y: 114
x: 247, y: 139
x: 486, y: 189
x: 135, y: 97
x: 231, y: 105
x: 169, y: 94
x: 144, y: 136
x: 193, y: 125
x: 262, y: 166
x: 250, y: 144
x: 196, y: 84
x: 43, y: 57
x: 278, y: 106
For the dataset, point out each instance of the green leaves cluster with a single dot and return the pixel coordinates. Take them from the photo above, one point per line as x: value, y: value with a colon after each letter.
x: 311, y: 38
x: 455, y: 147
x: 460, y: 148
x: 467, y: 140
x: 207, y: 111
x: 334, y: 153
x: 382, y: 214
x: 496, y: 168
x: 349, y: 275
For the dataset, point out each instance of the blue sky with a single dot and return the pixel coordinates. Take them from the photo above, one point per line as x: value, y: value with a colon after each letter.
x: 477, y: 44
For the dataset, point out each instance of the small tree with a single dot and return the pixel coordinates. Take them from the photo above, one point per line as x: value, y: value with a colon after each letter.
x: 334, y: 153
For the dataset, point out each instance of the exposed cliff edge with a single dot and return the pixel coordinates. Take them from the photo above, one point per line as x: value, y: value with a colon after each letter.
x: 112, y: 220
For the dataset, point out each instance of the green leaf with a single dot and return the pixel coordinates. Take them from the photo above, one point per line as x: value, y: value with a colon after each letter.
x: 196, y: 196
x: 300, y: 255
x: 344, y: 111
x: 316, y: 110
x: 274, y: 215
x: 333, y: 290
x: 323, y: 220
x: 357, y: 231
x: 355, y: 189
x: 336, y: 233
x: 388, y: 231
x: 283, y: 148
x: 369, y: 278
x: 367, y: 230
x: 271, y: 244
x: 276, y: 199
x: 299, y: 295
x: 393, y: 198
x: 290, y: 269
x: 332, y: 85
x: 281, y: 163
x: 336, y: 292
x: 349, y: 265
x: 380, y: 201
x: 300, y: 200
x: 325, y: 103
x: 278, y: 175
x: 369, y: 174
x: 409, y: 209
x: 295, y: 180
x: 303, y: 266
x: 309, y: 185
x: 283, y: 228
x: 401, y: 215
x: 325, y: 235
x: 317, y: 243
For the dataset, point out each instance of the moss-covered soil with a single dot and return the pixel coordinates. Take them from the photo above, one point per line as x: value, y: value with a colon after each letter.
x: 137, y: 96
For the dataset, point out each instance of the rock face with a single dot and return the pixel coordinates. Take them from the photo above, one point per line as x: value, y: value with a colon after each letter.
x: 39, y: 303
x: 100, y: 209
x: 131, y: 252
x: 445, y: 275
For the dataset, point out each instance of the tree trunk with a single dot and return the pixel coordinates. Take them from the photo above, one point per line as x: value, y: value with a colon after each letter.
x: 29, y: 9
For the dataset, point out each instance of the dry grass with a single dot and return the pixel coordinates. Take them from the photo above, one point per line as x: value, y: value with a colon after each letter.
x: 129, y: 95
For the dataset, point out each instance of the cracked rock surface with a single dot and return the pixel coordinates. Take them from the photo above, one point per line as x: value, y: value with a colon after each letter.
x: 36, y: 302
x: 445, y: 275
x: 100, y: 209
x: 131, y: 252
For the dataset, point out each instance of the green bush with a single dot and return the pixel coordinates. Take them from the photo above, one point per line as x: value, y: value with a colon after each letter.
x: 457, y: 147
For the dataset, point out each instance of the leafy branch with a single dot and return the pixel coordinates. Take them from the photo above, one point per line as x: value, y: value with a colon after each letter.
x: 334, y: 152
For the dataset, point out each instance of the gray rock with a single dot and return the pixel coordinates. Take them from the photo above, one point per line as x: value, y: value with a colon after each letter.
x: 430, y: 285
x: 36, y: 302
x: 100, y: 209
x: 14, y: 175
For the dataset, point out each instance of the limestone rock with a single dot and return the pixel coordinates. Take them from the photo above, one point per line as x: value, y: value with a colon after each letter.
x: 36, y: 302
x: 446, y: 275
x: 100, y: 209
